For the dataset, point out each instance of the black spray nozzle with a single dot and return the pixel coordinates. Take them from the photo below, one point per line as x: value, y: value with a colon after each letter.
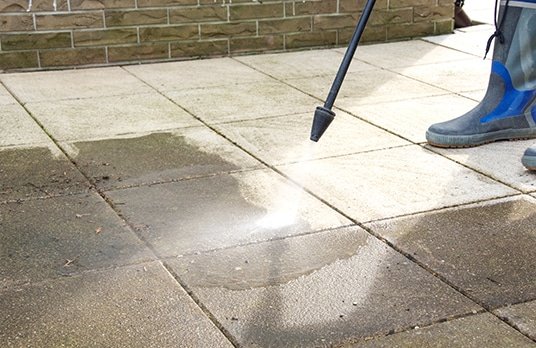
x: 321, y: 122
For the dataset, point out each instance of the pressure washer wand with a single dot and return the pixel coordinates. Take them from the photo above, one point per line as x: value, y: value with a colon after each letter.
x: 323, y: 114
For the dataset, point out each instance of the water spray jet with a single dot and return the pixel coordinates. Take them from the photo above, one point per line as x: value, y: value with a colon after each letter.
x: 323, y: 114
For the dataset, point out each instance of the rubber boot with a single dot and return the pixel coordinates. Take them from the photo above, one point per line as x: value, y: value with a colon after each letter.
x: 529, y: 158
x: 508, y: 110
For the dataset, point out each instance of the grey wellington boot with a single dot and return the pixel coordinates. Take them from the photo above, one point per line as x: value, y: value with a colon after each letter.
x: 508, y: 110
x: 529, y: 158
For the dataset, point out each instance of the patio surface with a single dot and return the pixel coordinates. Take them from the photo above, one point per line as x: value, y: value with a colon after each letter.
x: 182, y: 205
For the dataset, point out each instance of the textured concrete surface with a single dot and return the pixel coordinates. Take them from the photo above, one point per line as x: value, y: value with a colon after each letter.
x: 522, y: 316
x: 221, y: 211
x: 182, y: 204
x: 471, y: 332
x: 157, y: 157
x: 486, y: 251
x: 135, y: 306
x: 317, y: 290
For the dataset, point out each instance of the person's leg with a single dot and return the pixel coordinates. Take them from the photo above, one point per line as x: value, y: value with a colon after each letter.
x: 508, y: 110
x: 461, y: 19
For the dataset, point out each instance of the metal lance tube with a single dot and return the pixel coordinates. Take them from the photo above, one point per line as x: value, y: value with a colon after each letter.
x: 323, y: 114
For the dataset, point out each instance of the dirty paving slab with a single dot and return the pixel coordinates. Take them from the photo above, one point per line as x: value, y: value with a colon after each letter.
x: 522, y: 316
x: 316, y: 290
x: 157, y: 157
x: 62, y: 236
x: 134, y: 306
x: 485, y: 250
x: 475, y: 331
x: 38, y: 171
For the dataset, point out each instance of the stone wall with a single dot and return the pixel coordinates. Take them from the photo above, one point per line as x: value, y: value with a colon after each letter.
x: 44, y: 34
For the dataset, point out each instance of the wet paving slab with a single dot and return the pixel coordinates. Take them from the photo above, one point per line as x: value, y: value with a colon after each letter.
x: 134, y: 306
x: 316, y: 290
x: 62, y: 236
x: 31, y: 172
x: 393, y: 182
x: 522, y: 316
x: 157, y: 157
x: 221, y: 211
x: 484, y: 250
x: 476, y: 331
x: 285, y: 139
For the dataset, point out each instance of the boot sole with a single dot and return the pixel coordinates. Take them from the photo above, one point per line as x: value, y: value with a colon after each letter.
x: 461, y: 141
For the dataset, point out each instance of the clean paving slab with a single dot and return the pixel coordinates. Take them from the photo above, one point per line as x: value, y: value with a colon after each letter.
x: 38, y: 171
x: 245, y: 101
x: 475, y: 331
x: 157, y: 157
x: 316, y: 290
x: 73, y: 84
x: 458, y: 76
x: 471, y: 41
x: 499, y: 160
x: 108, y: 117
x: 285, y: 139
x: 18, y: 128
x: 5, y: 97
x: 407, y: 53
x: 222, y: 211
x: 410, y: 118
x: 196, y: 74
x: 301, y: 64
x: 522, y: 316
x: 135, y: 306
x: 62, y: 236
x: 367, y: 87
x: 485, y: 250
x: 392, y: 182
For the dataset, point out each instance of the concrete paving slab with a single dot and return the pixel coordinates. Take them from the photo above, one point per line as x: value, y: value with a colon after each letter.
x: 302, y: 64
x: 38, y: 172
x: 368, y: 87
x: 243, y: 102
x: 5, y: 97
x: 407, y: 53
x: 410, y: 118
x: 196, y: 74
x: 471, y: 41
x: 476, y: 95
x: 62, y: 236
x: 500, y: 160
x: 158, y: 157
x: 18, y: 128
x: 285, y: 139
x: 222, y: 211
x: 522, y: 316
x: 107, y: 117
x: 398, y: 181
x: 316, y: 290
x: 459, y: 76
x: 475, y: 331
x: 486, y: 250
x: 73, y: 84
x: 136, y: 306
x: 480, y: 11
